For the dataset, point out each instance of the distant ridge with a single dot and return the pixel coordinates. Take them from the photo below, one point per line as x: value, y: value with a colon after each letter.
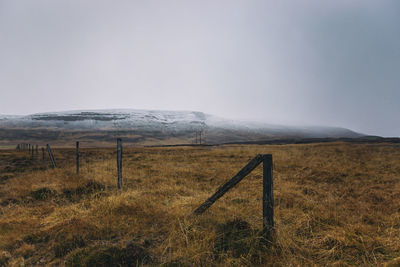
x: 151, y: 127
x: 363, y: 139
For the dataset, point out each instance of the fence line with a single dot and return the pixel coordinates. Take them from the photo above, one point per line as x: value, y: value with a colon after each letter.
x: 267, y: 199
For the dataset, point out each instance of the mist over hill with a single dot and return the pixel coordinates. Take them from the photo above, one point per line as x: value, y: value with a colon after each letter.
x: 151, y: 126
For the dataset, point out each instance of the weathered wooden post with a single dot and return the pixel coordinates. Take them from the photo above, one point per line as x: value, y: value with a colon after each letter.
x: 268, y: 196
x: 37, y: 152
x: 119, y: 162
x: 32, y: 152
x: 43, y: 153
x: 77, y: 157
x: 51, y: 156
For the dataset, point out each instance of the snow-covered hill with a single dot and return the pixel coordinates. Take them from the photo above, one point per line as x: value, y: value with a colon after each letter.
x: 108, y: 120
x: 164, y: 122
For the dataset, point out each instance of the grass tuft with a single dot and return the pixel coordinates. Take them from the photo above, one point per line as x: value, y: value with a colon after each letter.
x: 43, y: 193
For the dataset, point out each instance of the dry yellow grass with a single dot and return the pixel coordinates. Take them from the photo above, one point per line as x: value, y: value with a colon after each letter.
x: 335, y: 204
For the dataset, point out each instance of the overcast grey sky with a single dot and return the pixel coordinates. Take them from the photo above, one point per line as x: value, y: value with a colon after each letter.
x: 287, y: 62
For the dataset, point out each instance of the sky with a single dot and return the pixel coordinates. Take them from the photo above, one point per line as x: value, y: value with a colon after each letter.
x: 309, y: 62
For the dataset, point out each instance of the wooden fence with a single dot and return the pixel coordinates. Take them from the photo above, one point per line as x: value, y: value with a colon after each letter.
x: 31, y: 149
x: 267, y: 200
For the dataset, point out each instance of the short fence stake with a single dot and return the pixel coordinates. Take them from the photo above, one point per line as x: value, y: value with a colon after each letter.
x: 43, y: 153
x: 119, y: 162
x: 37, y: 152
x: 268, y: 197
x: 51, y: 156
x: 77, y: 157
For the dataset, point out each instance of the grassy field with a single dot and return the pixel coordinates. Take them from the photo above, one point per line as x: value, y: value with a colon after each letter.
x: 336, y: 204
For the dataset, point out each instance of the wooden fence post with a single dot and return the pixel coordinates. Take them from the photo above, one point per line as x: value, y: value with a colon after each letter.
x: 32, y: 151
x: 43, y: 153
x: 77, y: 157
x: 268, y: 197
x: 119, y: 162
x: 51, y: 156
x: 37, y: 152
